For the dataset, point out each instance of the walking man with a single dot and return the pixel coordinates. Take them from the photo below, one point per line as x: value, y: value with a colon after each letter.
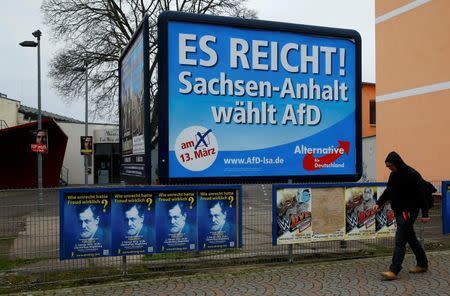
x: 406, y: 193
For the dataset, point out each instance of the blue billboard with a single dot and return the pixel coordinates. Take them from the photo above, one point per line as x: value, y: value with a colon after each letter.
x: 253, y: 99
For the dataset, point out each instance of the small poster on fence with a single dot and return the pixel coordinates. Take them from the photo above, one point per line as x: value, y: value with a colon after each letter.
x: 217, y: 219
x: 359, y: 213
x: 86, y: 218
x: 385, y: 224
x: 176, y: 220
x: 133, y: 223
x: 328, y: 224
x: 293, y: 215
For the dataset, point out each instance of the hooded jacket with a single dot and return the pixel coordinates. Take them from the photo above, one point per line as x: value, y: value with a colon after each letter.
x: 405, y: 188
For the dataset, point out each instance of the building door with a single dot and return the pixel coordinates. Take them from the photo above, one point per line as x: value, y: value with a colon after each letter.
x: 106, y: 163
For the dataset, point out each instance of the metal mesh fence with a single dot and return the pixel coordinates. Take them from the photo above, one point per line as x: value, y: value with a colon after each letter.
x: 29, y: 243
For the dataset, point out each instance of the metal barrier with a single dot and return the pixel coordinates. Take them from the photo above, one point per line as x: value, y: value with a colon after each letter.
x: 29, y: 243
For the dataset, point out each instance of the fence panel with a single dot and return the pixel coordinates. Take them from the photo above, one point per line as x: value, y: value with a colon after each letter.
x: 29, y: 243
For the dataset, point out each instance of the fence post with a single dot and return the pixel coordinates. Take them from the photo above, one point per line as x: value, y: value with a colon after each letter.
x: 290, y: 254
x: 124, y: 266
x: 290, y: 247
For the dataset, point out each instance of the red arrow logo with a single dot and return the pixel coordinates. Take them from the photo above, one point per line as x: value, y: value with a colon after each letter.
x: 311, y: 163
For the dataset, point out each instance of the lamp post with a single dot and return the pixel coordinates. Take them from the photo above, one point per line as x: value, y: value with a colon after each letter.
x: 86, y: 161
x: 37, y: 34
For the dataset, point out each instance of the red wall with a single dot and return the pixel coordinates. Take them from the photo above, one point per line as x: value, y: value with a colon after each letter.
x: 18, y: 165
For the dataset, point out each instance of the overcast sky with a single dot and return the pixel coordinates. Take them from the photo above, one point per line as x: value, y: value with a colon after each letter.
x: 18, y: 65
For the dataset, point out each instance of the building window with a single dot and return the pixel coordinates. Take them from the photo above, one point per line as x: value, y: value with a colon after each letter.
x: 372, y: 113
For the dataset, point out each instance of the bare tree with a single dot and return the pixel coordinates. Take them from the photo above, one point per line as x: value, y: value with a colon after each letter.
x: 96, y: 31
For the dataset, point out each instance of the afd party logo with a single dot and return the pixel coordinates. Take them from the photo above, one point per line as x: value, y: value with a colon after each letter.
x: 196, y: 148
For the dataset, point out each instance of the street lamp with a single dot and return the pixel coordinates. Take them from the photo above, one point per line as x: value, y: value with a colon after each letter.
x: 86, y: 162
x: 37, y: 44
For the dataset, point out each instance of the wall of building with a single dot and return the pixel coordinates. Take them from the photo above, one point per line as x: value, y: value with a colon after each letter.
x: 369, y: 159
x: 73, y: 160
x: 413, y: 84
x: 368, y: 94
x: 8, y: 111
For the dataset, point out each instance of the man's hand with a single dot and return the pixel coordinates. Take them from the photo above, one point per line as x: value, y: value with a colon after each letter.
x: 425, y: 219
x: 376, y: 208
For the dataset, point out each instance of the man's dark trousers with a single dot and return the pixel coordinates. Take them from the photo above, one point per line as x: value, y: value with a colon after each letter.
x: 405, y: 234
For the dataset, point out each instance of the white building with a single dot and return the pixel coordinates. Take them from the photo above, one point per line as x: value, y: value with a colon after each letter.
x: 105, y: 160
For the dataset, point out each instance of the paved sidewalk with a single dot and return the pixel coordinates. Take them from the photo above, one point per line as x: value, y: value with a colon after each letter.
x: 349, y: 277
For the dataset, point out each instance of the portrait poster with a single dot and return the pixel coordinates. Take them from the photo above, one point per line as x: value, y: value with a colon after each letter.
x: 40, y: 144
x: 359, y: 213
x: 86, y: 145
x: 176, y: 220
x: 133, y: 223
x: 86, y: 221
x: 385, y: 224
x: 217, y: 216
x: 293, y: 215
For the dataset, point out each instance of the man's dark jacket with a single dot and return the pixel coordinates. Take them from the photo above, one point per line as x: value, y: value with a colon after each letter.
x: 405, y: 188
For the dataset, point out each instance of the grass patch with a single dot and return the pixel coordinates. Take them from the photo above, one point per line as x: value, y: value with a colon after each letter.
x: 8, y: 264
x: 164, y: 256
x: 18, y: 282
x: 377, y: 250
x: 182, y: 255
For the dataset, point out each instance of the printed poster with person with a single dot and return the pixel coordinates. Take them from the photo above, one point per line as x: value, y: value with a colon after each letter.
x: 217, y: 215
x: 359, y: 213
x: 293, y: 215
x: 86, y: 145
x: 86, y: 224
x: 176, y: 217
x: 40, y: 144
x: 385, y: 219
x: 133, y: 223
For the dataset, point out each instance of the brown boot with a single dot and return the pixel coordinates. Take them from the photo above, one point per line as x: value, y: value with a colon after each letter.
x: 389, y: 275
x: 418, y: 269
